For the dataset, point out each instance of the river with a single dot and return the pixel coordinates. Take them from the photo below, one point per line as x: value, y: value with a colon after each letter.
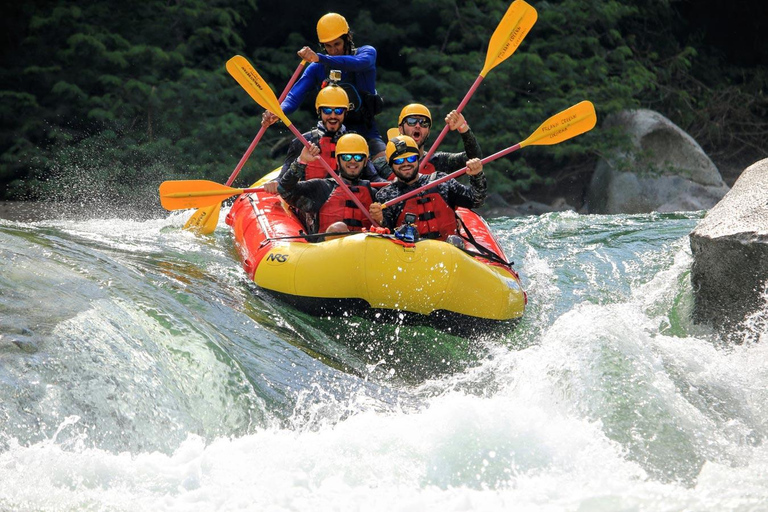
x: 139, y: 370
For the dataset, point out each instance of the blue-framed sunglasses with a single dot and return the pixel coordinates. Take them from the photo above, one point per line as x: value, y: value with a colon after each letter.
x: 410, y: 159
x: 331, y: 110
x: 413, y: 121
x: 347, y: 157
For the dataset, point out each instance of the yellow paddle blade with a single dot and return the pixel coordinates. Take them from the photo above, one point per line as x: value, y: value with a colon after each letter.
x: 242, y: 71
x: 185, y: 194
x: 392, y: 133
x: 510, y: 32
x: 204, y: 220
x: 569, y: 123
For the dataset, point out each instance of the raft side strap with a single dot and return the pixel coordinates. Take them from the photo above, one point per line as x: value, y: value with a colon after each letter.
x: 486, y: 252
x: 306, y: 236
x: 260, y: 215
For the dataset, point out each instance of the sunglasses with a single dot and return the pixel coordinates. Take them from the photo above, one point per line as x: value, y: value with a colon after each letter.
x: 413, y: 121
x: 329, y: 110
x: 410, y: 159
x: 347, y: 157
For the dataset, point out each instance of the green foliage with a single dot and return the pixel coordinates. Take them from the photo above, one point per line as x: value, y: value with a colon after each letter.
x: 120, y: 96
x: 574, y: 52
x: 109, y: 89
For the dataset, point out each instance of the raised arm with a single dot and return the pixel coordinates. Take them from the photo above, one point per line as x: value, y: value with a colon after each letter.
x: 309, y: 81
x: 364, y: 59
x: 450, y: 162
x: 472, y: 196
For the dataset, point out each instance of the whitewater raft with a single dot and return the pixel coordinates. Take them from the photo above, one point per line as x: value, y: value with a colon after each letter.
x: 377, y: 276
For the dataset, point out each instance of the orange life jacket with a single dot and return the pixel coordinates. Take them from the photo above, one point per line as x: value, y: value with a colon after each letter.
x: 339, y: 207
x: 434, y: 218
x: 316, y: 169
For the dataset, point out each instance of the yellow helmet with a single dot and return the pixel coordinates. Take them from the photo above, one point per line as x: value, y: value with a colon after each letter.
x: 331, y: 96
x: 414, y: 109
x: 352, y: 143
x: 331, y: 26
x: 399, y: 146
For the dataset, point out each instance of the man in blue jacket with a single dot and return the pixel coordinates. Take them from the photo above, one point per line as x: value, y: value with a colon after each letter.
x: 358, y: 77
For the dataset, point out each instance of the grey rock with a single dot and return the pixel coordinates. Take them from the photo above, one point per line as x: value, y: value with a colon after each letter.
x: 730, y: 251
x: 663, y: 170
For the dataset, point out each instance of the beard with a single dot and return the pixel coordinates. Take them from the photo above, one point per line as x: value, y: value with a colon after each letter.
x: 349, y: 177
x: 407, y: 173
x: 332, y: 127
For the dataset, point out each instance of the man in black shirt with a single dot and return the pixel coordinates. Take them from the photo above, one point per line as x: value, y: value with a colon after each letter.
x: 434, y: 207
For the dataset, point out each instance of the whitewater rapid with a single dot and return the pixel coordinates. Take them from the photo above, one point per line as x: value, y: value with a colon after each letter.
x: 139, y: 370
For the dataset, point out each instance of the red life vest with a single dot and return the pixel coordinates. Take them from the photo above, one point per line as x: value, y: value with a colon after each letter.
x: 339, y: 207
x: 429, y: 168
x: 316, y: 169
x: 434, y: 218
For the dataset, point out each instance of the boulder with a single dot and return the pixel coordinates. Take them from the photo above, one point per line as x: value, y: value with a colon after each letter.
x: 730, y: 253
x: 662, y: 170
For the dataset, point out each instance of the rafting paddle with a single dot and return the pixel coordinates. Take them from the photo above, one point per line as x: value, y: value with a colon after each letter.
x: 573, y: 121
x: 185, y: 194
x: 204, y: 220
x: 565, y: 125
x: 510, y: 32
x: 242, y: 71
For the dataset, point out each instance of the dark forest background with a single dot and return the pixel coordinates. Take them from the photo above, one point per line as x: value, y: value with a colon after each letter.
x: 106, y: 99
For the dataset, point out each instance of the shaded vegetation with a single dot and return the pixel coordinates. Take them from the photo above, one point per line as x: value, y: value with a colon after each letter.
x: 110, y: 98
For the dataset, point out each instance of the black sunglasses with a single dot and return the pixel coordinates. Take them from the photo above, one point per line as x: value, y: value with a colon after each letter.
x: 413, y: 121
x: 347, y: 157
x: 410, y: 159
x: 328, y: 110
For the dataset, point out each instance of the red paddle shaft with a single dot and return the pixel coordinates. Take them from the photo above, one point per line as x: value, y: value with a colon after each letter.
x: 451, y: 176
x: 444, y: 132
x: 263, y: 129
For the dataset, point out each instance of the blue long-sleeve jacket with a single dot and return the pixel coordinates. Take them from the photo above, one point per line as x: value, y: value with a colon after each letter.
x: 362, y: 64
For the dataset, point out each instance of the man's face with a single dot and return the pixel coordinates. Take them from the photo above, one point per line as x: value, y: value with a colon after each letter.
x: 351, y: 165
x: 406, y: 171
x: 413, y: 127
x: 335, y: 47
x: 332, y: 117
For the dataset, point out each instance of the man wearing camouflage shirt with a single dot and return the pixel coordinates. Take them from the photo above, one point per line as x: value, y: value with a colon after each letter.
x: 434, y: 207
